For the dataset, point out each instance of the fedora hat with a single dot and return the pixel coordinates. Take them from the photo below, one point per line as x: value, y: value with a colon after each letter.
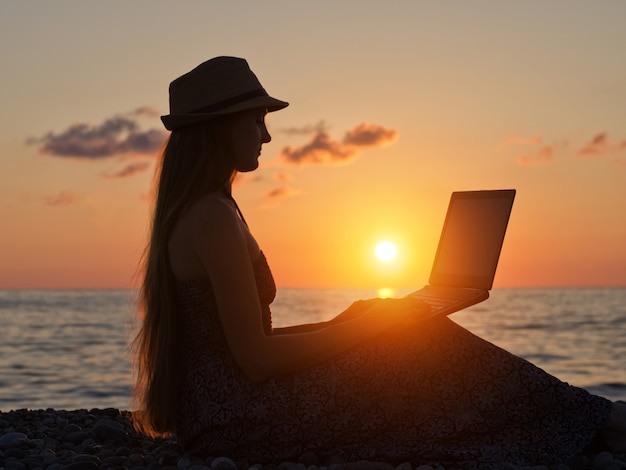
x: 219, y: 86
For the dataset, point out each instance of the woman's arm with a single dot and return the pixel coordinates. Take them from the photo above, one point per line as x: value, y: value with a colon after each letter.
x: 220, y: 243
x: 357, y: 308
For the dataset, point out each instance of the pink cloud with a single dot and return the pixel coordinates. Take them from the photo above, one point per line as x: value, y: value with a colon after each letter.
x: 283, y: 176
x: 115, y: 136
x: 600, y: 145
x: 370, y: 135
x: 543, y: 156
x: 64, y: 198
x: 281, y: 192
x: 323, y: 149
x: 129, y: 170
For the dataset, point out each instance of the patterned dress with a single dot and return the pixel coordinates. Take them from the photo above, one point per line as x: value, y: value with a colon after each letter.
x: 433, y: 393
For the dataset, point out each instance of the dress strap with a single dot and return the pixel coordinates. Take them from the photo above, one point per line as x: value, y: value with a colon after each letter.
x: 229, y: 196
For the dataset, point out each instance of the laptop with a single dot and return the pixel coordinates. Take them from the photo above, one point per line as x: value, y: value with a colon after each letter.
x: 469, y: 248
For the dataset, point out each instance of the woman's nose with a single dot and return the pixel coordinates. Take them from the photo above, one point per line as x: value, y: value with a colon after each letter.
x: 265, y: 136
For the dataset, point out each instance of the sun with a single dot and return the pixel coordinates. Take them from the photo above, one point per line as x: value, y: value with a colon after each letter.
x: 386, y: 251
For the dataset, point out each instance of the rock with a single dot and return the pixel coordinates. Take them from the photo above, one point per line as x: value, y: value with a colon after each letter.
x: 80, y: 466
x: 14, y: 465
x: 198, y: 466
x: 602, y: 460
x: 14, y: 453
x: 77, y: 437
x: 404, y: 466
x: 12, y: 437
x: 362, y: 465
x: 183, y: 463
x: 292, y: 466
x: 223, y: 463
x: 107, y: 432
x: 72, y: 428
x: 86, y: 458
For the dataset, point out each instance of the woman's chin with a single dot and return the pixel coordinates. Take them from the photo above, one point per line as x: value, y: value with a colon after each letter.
x: 250, y: 167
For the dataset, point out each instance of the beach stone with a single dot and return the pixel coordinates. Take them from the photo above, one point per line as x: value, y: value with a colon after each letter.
x: 404, y: 466
x: 122, y: 451
x: 362, y: 465
x: 86, y: 458
x: 14, y: 465
x: 115, y: 461
x: 12, y: 437
x: 32, y: 463
x: 72, y: 428
x: 136, y: 458
x: 223, y: 463
x: 602, y: 460
x: 107, y: 432
x: 291, y: 466
x: 77, y: 437
x: 80, y: 466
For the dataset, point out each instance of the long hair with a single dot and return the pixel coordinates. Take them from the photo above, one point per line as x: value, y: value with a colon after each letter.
x: 194, y: 161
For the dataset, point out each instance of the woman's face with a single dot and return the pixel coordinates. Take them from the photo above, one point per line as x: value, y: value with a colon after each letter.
x: 248, y: 133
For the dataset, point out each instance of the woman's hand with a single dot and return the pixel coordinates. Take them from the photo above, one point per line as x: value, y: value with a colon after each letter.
x: 355, y: 310
x: 395, y: 310
x: 392, y: 312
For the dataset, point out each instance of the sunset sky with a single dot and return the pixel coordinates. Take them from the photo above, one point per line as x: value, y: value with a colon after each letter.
x: 394, y: 105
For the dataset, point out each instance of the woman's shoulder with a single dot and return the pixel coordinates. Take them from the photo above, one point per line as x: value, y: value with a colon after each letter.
x: 211, y: 205
x: 210, y: 212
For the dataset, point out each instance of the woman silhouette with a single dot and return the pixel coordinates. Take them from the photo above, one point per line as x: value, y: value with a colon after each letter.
x: 369, y: 384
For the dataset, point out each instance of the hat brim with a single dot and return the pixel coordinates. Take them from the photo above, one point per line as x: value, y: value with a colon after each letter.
x: 176, y: 121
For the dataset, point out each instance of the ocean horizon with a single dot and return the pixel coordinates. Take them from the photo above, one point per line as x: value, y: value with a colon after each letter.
x: 69, y: 348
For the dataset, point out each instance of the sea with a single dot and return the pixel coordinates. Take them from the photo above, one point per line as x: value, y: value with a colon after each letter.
x: 69, y: 349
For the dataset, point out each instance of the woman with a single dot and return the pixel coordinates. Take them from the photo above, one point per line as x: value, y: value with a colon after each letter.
x: 369, y: 384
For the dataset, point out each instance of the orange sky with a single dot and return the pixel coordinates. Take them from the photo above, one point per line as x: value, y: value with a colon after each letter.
x: 392, y: 108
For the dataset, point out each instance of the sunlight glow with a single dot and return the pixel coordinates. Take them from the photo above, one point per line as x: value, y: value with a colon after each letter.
x: 386, y: 251
x: 386, y: 292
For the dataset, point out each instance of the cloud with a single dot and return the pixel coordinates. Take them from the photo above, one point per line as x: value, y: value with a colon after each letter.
x: 542, y: 156
x: 119, y: 135
x: 538, y: 152
x: 596, y: 146
x: 515, y: 140
x: 147, y: 111
x: 129, y: 170
x: 305, y: 130
x: 370, y: 135
x: 600, y: 145
x: 281, y: 193
x: 64, y: 198
x: 323, y: 149
x: 283, y: 176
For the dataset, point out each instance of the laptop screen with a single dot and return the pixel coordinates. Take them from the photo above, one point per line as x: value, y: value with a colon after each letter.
x: 471, y: 239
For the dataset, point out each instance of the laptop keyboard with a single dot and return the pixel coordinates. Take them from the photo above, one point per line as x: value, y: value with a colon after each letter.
x: 435, y: 302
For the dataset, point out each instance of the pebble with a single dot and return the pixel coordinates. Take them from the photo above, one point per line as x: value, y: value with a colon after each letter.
x: 11, y: 437
x: 103, y: 439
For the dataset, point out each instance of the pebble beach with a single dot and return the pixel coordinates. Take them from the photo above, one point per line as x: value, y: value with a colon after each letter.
x: 101, y: 439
